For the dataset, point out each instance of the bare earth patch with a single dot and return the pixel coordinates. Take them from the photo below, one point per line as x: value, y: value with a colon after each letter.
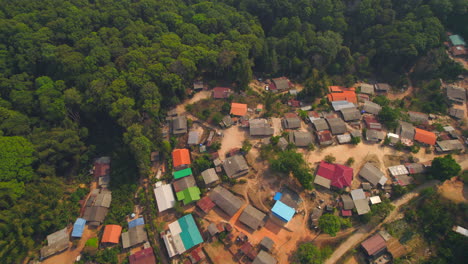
x: 454, y: 190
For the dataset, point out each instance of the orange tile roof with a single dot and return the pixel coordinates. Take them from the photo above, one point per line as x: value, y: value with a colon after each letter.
x: 238, y: 109
x: 340, y: 89
x: 349, y: 96
x: 111, y: 234
x: 424, y: 136
x: 180, y: 157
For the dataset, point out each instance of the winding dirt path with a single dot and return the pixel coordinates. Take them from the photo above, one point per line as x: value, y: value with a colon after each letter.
x: 366, y: 230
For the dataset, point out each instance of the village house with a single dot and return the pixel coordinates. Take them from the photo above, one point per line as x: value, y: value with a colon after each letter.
x: 382, y: 87
x: 180, y: 158
x: 349, y: 96
x: 340, y: 105
x: 424, y: 137
x: 182, y: 235
x: 179, y: 125
x: 134, y: 236
x: 111, y: 235
x: 189, y: 195
x: 205, y: 204
x: 267, y: 244
x: 446, y: 146
x: 336, y: 175
x: 456, y: 94
x: 144, y: 256
x: 210, y: 176
x: 343, y: 139
x: 283, y: 211
x: 348, y: 203
x: 367, y: 88
x: 418, y: 117
x: 375, y: 135
x: 372, y: 174
x: 406, y: 132
x: 315, y: 216
x: 183, y: 183
x: 264, y: 258
x: 371, y: 108
x: 238, y: 109
x: 457, y: 113
x: 337, y: 126
x: 260, y: 127
x: 252, y: 217
x: 198, y: 86
x: 324, y: 138
x: 350, y: 114
x: 56, y: 243
x: 291, y: 121
x: 164, y: 196
x: 235, y: 166
x: 225, y: 200
x: 282, y: 143
x: 320, y: 124
x: 360, y: 201
x: 279, y: 84
x: 300, y: 138
x: 221, y: 92
x: 415, y: 168
x: 374, y: 246
x: 78, y: 228
x: 393, y: 138
x: 371, y: 123
x: 193, y: 138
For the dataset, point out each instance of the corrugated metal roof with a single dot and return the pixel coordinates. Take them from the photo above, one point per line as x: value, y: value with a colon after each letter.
x: 136, y: 222
x: 78, y: 227
x: 182, y: 173
x: 189, y: 195
x: 283, y: 211
x: 164, y: 197
x: 457, y: 40
x: 190, y: 234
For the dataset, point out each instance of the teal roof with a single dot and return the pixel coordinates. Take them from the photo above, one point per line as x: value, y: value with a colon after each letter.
x: 190, y: 234
x: 283, y: 211
x: 457, y: 40
x: 182, y: 173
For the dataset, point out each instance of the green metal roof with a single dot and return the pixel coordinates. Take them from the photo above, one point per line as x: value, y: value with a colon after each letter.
x: 182, y: 173
x: 189, y: 195
x: 457, y: 40
x: 190, y: 234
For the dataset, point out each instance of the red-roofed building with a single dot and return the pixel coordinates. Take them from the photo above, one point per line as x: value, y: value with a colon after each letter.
x: 349, y: 96
x: 221, y: 92
x: 294, y: 103
x: 374, y: 245
x: 111, y: 234
x: 346, y: 213
x: 238, y: 109
x: 205, y: 204
x: 180, y: 157
x: 425, y: 136
x: 246, y: 248
x: 324, y: 137
x: 340, y: 89
x: 145, y: 256
x: 197, y: 255
x: 335, y: 175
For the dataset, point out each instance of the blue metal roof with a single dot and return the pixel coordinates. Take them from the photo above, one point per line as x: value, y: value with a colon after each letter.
x: 136, y: 222
x: 78, y: 227
x: 278, y: 196
x: 283, y: 211
x: 190, y: 234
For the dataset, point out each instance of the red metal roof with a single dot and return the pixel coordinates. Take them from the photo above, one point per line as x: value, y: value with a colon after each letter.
x: 424, y: 136
x: 205, y: 204
x: 294, y: 103
x: 339, y: 175
x: 221, y: 92
x: 238, y: 109
x: 111, y: 234
x: 180, y: 157
x: 145, y: 256
x: 246, y: 248
x: 346, y: 212
x: 374, y: 244
x: 324, y: 136
x: 197, y: 255
x: 101, y: 169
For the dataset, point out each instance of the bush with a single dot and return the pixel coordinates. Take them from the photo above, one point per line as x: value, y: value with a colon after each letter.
x: 350, y: 161
x: 330, y: 224
x: 355, y: 140
x: 330, y: 158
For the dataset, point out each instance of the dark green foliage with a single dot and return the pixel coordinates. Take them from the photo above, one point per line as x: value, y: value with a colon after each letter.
x: 355, y: 140
x: 309, y: 253
x: 201, y: 163
x: 330, y: 224
x: 289, y: 161
x: 389, y: 117
x: 444, y: 168
x: 16, y: 159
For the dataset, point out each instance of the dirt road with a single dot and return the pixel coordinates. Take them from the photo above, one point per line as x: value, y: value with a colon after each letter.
x: 197, y: 97
x: 363, y: 232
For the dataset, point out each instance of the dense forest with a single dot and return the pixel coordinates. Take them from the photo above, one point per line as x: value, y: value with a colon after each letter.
x: 83, y: 78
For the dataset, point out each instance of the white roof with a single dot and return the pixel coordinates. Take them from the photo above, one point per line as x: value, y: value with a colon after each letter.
x: 174, y: 227
x: 339, y: 105
x: 169, y: 246
x: 383, y: 180
x: 449, y: 128
x: 375, y: 200
x: 345, y: 138
x: 398, y: 170
x: 164, y: 197
x: 179, y: 245
x: 461, y: 230
x: 362, y: 206
x: 358, y: 194
x: 322, y: 181
x: 393, y: 135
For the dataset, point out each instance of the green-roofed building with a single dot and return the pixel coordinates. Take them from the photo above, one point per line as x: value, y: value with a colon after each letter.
x: 182, y: 173
x: 457, y: 40
x: 190, y: 234
x: 189, y: 195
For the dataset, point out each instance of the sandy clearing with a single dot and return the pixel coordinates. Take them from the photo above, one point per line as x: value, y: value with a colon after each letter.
x: 276, y: 123
x: 232, y: 138
x: 454, y: 190
x: 196, y: 97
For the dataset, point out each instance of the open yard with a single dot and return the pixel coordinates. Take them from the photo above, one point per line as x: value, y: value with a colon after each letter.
x: 454, y: 190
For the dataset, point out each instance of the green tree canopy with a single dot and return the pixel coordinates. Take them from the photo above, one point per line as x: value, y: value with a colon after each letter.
x: 310, y: 254
x: 330, y: 224
x: 16, y: 159
x: 444, y: 168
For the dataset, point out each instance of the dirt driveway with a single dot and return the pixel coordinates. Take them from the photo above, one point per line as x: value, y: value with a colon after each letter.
x: 197, y: 97
x: 232, y: 138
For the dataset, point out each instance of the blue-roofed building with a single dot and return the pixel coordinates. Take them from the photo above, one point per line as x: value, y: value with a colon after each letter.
x: 277, y: 196
x: 78, y: 227
x: 283, y: 212
x: 136, y: 222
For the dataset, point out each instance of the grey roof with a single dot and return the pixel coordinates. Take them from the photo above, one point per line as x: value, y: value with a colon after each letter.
x: 213, y: 229
x: 56, y: 242
x: 457, y: 94
x: 345, y: 138
x: 291, y: 122
x: 367, y: 88
x: 366, y: 186
x: 179, y: 125
x: 362, y: 206
x: 371, y: 107
x: 449, y: 145
x: 95, y: 214
x: 337, y: 125
x: 372, y: 174
x: 103, y: 199
x: 267, y: 243
x: 227, y: 121
x: 235, y: 166
x: 398, y: 170
x: 405, y: 130
x: 382, y: 87
x: 209, y: 176
x: 300, y: 138
x: 225, y: 200
x: 457, y: 113
x: 415, y: 168
x: 135, y: 235
x: 282, y: 143
x: 184, y: 183
x: 339, y: 105
x: 260, y: 127
x: 351, y: 114
x: 320, y: 124
x: 264, y: 258
x: 375, y: 135
x: 193, y: 138
x: 281, y: 83
x: 417, y: 117
x: 356, y: 133
x: 315, y: 215
x: 348, y: 203
x: 252, y: 217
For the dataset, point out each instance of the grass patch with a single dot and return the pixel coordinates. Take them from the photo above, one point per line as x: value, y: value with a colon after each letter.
x: 398, y: 228
x: 92, y: 242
